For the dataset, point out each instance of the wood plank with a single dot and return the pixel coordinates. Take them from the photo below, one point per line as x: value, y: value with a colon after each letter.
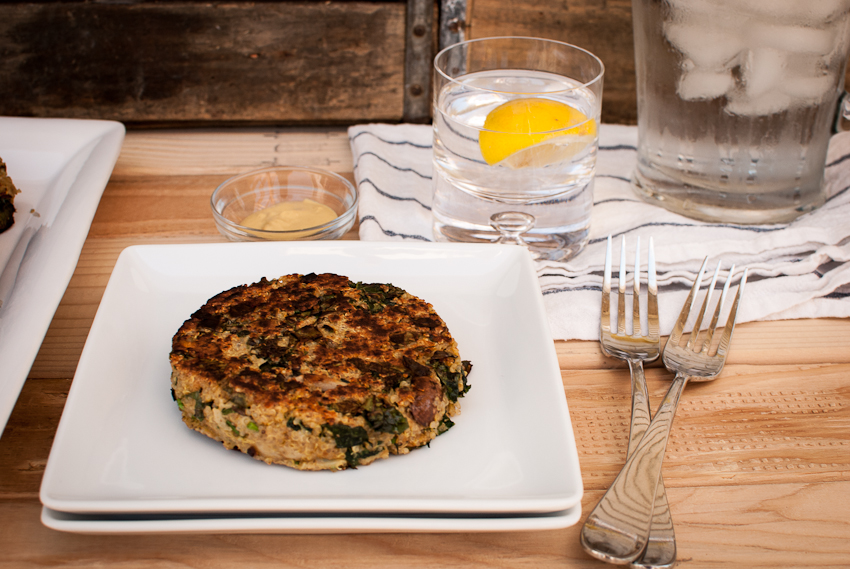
x: 783, y: 342
x: 162, y: 182
x: 25, y: 444
x: 206, y: 152
x: 604, y: 27
x: 264, y: 62
x: 763, y: 526
x: 785, y: 421
x: 157, y: 205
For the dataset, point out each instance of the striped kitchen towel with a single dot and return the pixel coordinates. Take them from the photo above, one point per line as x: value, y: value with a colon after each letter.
x: 797, y: 270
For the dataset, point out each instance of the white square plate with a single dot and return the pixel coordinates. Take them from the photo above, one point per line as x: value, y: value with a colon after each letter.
x: 121, y: 446
x: 61, y: 167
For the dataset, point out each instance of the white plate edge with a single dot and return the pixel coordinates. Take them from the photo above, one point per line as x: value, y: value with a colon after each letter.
x: 85, y: 198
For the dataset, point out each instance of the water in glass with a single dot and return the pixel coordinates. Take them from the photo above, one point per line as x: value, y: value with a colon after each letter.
x: 736, y: 103
x: 482, y: 167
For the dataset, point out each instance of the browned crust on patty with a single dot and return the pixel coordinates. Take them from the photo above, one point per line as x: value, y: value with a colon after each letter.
x: 317, y: 372
x: 7, y: 199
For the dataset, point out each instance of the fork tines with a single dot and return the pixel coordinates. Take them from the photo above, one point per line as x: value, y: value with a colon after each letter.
x: 651, y: 287
x: 696, y: 341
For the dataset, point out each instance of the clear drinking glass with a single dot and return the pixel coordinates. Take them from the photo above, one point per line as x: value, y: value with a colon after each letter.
x: 736, y: 103
x: 515, y: 141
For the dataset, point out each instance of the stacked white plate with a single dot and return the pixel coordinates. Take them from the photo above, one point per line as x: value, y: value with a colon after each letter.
x: 123, y: 461
x: 61, y: 167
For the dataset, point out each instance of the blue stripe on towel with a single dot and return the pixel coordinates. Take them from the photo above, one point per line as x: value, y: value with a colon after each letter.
x: 390, y: 233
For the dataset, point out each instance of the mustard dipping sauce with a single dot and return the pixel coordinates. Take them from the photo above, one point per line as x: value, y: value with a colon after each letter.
x: 290, y: 216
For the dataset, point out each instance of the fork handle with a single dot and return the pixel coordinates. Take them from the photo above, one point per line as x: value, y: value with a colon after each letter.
x: 660, y: 552
x: 641, y: 413
x: 617, y: 530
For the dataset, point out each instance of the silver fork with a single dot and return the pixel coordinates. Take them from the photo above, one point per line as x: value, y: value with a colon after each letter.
x: 635, y: 348
x: 622, y: 518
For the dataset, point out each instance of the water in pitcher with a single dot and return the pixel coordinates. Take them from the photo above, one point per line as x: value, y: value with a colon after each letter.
x: 736, y: 102
x: 551, y: 179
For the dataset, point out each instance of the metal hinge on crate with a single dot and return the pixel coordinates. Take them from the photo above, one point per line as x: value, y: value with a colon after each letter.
x: 420, y: 48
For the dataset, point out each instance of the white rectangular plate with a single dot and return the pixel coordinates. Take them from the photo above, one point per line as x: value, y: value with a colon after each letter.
x: 121, y: 446
x: 61, y: 167
x: 310, y: 524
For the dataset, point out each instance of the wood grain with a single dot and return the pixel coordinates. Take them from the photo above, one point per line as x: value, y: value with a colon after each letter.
x: 757, y: 468
x: 785, y: 342
x: 603, y: 27
x: 267, y: 62
x: 164, y: 62
x: 759, y: 526
x: 199, y: 151
x: 178, y: 62
x: 724, y: 433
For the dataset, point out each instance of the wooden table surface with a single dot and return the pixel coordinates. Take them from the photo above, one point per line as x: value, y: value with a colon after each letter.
x: 757, y: 468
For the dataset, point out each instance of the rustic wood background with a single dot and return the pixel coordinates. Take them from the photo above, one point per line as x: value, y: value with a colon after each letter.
x: 318, y: 62
x: 603, y: 27
x: 149, y: 63
x: 181, y: 62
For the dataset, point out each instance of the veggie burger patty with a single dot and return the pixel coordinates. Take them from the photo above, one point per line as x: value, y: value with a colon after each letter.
x: 317, y: 372
x: 7, y: 199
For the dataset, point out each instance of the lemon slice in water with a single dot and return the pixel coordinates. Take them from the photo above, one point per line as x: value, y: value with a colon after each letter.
x: 534, y: 132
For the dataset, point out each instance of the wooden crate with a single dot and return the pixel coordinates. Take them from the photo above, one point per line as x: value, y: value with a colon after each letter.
x: 188, y: 63
x: 603, y: 27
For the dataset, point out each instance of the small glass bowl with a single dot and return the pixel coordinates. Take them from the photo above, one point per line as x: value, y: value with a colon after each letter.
x: 253, y: 191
